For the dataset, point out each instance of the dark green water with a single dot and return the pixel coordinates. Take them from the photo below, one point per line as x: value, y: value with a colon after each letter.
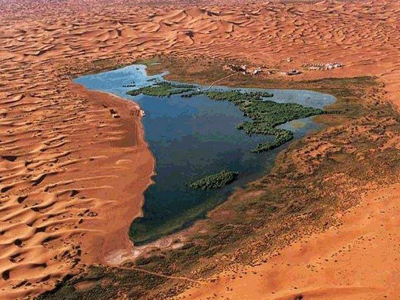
x: 191, y: 138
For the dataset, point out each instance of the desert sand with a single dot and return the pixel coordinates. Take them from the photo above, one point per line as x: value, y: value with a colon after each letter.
x: 74, y: 163
x: 358, y: 260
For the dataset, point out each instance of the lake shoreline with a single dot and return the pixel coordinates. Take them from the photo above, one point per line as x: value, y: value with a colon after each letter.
x: 315, y: 100
x: 115, y: 238
x: 288, y: 231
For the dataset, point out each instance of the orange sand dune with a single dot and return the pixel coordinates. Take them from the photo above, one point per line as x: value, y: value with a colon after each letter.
x: 72, y: 179
x: 73, y: 163
x: 357, y: 261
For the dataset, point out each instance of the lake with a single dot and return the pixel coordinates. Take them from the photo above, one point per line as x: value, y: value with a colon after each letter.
x: 191, y: 138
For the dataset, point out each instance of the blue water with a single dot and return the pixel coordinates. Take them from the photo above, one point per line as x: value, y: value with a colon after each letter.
x: 191, y: 138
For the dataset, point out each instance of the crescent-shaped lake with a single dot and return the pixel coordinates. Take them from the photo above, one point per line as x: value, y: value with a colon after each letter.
x: 191, y: 138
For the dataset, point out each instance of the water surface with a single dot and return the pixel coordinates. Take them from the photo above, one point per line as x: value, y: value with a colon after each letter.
x: 191, y: 138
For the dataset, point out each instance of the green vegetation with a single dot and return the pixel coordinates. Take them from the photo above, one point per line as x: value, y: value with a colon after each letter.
x: 162, y: 89
x: 232, y: 96
x: 214, y: 181
x: 303, y: 192
x: 96, y: 289
x: 265, y: 115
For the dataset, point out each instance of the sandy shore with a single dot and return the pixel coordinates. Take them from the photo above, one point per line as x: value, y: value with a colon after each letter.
x: 74, y: 163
